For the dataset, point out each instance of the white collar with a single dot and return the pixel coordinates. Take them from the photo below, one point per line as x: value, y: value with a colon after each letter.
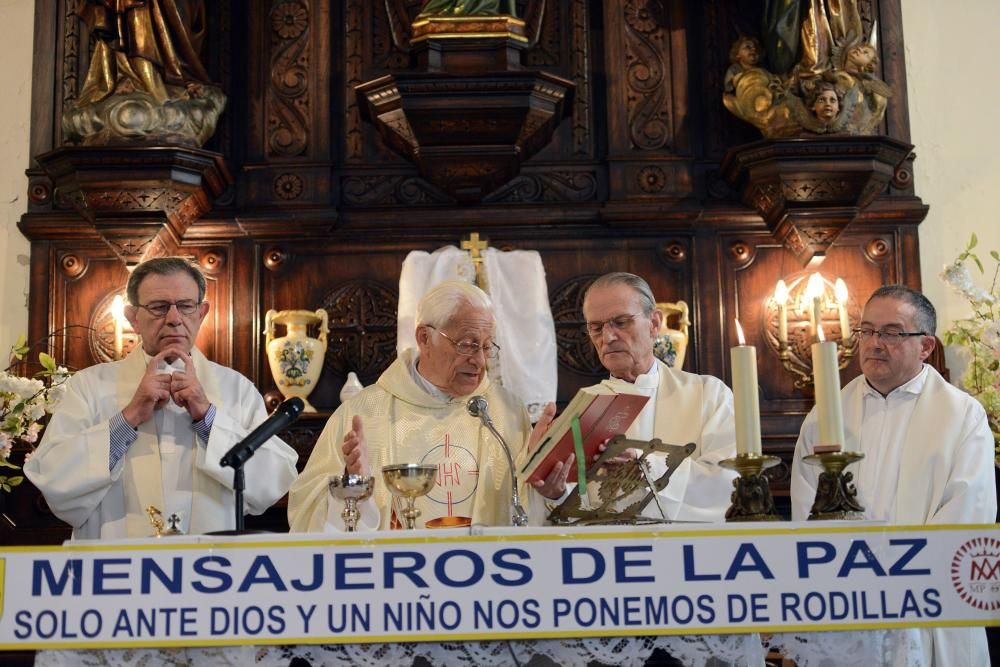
x: 912, y: 386
x: 648, y: 380
x: 426, y: 384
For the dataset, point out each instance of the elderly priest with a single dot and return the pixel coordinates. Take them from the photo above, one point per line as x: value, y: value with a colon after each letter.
x: 927, y: 445
x: 623, y: 322
x: 416, y: 413
x: 149, y: 431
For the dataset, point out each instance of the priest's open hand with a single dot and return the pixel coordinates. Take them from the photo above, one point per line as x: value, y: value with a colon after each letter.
x: 152, y: 393
x: 355, y: 449
x: 554, y: 486
x: 542, y: 425
x: 186, y: 389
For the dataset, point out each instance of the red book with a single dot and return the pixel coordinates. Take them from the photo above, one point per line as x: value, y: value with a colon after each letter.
x: 603, y: 414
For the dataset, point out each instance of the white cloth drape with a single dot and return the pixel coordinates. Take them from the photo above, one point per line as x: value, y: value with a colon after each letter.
x: 525, y: 328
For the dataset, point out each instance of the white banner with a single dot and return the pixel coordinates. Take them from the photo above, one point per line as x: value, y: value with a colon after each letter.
x: 499, y: 584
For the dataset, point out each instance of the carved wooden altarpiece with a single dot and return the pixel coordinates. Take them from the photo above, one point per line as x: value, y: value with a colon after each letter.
x: 298, y: 202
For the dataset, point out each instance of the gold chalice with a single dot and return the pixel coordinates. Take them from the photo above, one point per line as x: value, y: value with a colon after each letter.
x: 410, y: 481
x: 351, y: 489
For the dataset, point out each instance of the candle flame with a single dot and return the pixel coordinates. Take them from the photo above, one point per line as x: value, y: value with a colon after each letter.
x: 840, y: 289
x: 739, y: 333
x: 781, y: 293
x: 118, y: 309
x: 819, y: 333
x: 815, y: 288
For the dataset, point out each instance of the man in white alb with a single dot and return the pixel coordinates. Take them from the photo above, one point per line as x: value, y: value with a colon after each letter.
x: 927, y: 445
x: 416, y: 413
x: 623, y: 322
x: 149, y: 430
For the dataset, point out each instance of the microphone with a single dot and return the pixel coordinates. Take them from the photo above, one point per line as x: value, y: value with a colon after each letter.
x: 283, y: 416
x: 477, y: 407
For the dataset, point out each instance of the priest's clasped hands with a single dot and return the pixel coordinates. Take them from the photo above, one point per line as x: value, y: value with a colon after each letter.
x: 157, y: 387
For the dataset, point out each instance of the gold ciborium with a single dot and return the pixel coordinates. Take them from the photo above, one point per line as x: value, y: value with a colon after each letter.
x: 410, y: 481
x: 351, y: 489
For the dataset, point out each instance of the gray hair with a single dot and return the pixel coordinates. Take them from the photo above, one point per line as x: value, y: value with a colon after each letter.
x: 640, y: 286
x: 926, y: 319
x: 439, y: 304
x: 163, y: 266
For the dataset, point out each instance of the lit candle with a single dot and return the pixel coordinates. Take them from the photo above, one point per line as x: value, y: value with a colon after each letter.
x: 840, y: 289
x: 746, y: 402
x: 826, y: 379
x: 118, y: 315
x: 781, y: 298
x: 814, y: 294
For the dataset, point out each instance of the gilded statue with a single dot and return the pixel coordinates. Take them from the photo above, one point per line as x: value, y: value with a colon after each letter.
x: 146, y: 82
x: 468, y: 8
x: 819, y: 77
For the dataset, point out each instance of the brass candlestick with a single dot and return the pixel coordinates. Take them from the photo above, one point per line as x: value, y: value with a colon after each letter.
x: 751, y: 499
x: 836, y: 496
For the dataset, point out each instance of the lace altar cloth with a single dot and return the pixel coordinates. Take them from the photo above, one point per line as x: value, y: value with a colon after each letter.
x: 690, y: 650
x: 815, y: 649
x: 884, y: 648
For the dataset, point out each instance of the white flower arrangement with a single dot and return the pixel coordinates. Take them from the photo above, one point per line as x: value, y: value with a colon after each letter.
x: 978, y: 335
x: 24, y: 404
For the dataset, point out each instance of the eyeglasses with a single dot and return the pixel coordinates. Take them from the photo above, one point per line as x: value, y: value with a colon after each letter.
x: 889, y: 336
x: 595, y: 329
x: 470, y: 348
x: 159, y: 309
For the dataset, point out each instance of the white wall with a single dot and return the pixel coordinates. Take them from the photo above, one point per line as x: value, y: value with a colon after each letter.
x: 953, y: 97
x: 17, y: 19
x: 950, y: 70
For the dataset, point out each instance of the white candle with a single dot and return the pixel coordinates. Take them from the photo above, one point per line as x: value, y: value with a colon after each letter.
x: 781, y: 298
x: 845, y: 324
x: 746, y: 401
x: 118, y: 314
x: 826, y: 379
x: 814, y: 296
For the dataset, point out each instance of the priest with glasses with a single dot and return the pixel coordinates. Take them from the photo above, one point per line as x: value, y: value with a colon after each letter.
x: 416, y: 413
x: 927, y: 445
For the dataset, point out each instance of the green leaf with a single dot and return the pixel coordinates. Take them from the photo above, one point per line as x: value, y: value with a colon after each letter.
x: 6, y: 487
x: 979, y: 264
x: 995, y: 255
x: 15, y: 481
x: 993, y: 367
x: 973, y: 241
x: 49, y: 364
x: 8, y: 464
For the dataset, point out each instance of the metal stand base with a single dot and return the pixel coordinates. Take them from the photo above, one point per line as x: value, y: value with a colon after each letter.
x: 751, y: 499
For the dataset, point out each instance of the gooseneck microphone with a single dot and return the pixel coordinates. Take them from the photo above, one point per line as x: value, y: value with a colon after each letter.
x: 283, y: 416
x: 477, y: 407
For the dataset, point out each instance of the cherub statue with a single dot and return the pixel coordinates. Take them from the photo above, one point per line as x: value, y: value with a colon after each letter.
x: 743, y: 55
x: 831, y: 89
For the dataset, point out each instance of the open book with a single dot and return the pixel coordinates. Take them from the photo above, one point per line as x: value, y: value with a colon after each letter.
x: 603, y: 413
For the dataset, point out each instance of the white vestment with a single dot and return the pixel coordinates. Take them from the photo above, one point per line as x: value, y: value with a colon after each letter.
x: 928, y: 460
x: 70, y: 467
x: 683, y: 408
x: 403, y: 423
x: 526, y: 332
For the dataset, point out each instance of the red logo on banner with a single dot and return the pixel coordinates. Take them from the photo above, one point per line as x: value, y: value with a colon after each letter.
x: 975, y: 573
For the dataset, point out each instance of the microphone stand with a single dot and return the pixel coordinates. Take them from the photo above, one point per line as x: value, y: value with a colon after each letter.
x: 477, y: 408
x: 239, y: 483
